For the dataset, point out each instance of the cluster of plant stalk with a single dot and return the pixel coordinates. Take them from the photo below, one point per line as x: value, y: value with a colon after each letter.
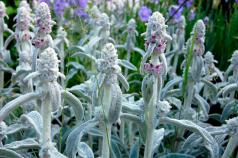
x: 99, y: 117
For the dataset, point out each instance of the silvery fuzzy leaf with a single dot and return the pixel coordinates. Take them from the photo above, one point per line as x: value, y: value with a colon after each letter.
x: 189, y: 125
x: 35, y: 120
x: 205, y: 107
x: 15, y: 128
x: 55, y: 95
x: 93, y: 41
x: 229, y: 88
x: 7, y: 56
x: 79, y: 48
x: 210, y: 85
x: 164, y: 62
x: 127, y: 64
x: 100, y: 79
x: 131, y: 107
x: 89, y: 56
x: 28, y: 143
x: 219, y: 73
x: 81, y: 90
x: 6, y: 153
x: 131, y: 117
x: 158, y: 135
x: 123, y: 81
x: 115, y: 149
x: 75, y: 103
x: 134, y: 151
x: 177, y: 155
x: 70, y: 74
x: 140, y: 51
x: 228, y: 109
x: 52, y: 152
x: 175, y: 101
x: 148, y: 53
x: 197, y: 65
x: 119, y: 46
x: 75, y: 137
x: 76, y: 65
x: 170, y: 85
x: 147, y: 88
x: 84, y: 150
x: 116, y: 104
x: 175, y: 92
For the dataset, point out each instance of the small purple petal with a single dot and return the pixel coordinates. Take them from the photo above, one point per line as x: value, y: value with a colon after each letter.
x: 79, y: 12
x: 144, y: 13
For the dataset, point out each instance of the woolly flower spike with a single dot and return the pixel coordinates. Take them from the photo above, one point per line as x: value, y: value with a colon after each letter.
x: 156, y: 32
x: 109, y: 51
x: 109, y: 62
x: 209, y: 58
x: 232, y: 124
x: 2, y: 10
x: 234, y: 59
x: 163, y: 107
x: 47, y: 65
x: 43, y: 19
x: 199, y: 29
x: 103, y: 20
x: 131, y: 26
x: 23, y: 19
x: 26, y: 5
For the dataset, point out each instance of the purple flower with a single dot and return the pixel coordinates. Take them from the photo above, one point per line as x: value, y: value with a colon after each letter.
x: 173, y: 11
x: 59, y: 7
x: 236, y: 1
x: 144, y: 13
x: 79, y: 12
x: 80, y: 3
x: 189, y: 3
x: 191, y: 15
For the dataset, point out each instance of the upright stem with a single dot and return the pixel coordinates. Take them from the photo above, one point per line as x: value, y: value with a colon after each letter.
x: 107, y: 128
x: 106, y: 141
x: 150, y: 112
x: 46, y: 109
x: 62, y: 62
x: 233, y: 142
x: 1, y: 56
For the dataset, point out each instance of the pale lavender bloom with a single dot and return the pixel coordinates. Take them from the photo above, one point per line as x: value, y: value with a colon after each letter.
x: 176, y: 14
x: 189, y: 3
x: 144, y: 13
x: 236, y: 1
x: 59, y: 7
x: 80, y: 3
x: 81, y: 13
x: 191, y: 15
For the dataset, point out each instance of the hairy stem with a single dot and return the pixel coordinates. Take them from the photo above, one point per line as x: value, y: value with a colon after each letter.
x: 233, y: 142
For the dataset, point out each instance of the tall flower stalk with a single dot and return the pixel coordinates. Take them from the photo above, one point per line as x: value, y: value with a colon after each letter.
x: 109, y: 94
x: 3, y: 52
x: 156, y: 38
x: 42, y: 30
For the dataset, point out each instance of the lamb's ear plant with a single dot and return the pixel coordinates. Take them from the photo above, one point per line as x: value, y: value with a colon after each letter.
x: 156, y: 38
x: 24, y: 48
x: 108, y: 94
x: 4, y: 54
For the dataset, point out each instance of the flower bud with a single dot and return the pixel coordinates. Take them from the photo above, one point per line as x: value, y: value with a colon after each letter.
x: 43, y: 19
x: 2, y: 10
